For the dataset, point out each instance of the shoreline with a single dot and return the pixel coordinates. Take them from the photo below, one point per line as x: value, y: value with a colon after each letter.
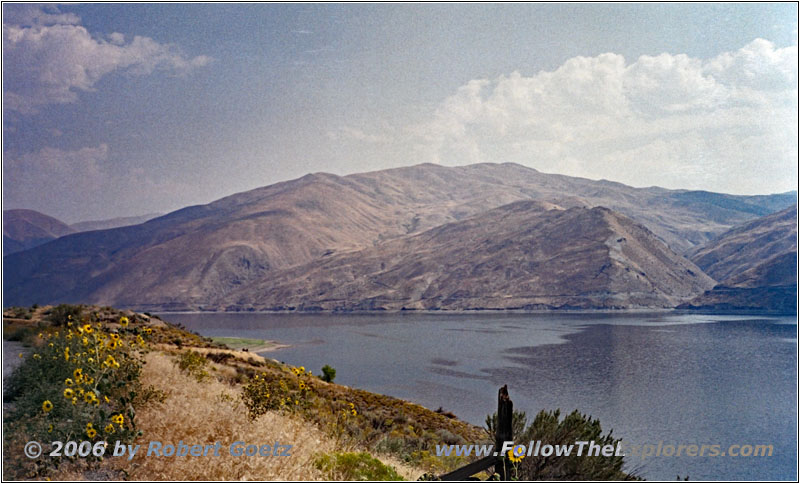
x: 494, y: 311
x: 268, y: 347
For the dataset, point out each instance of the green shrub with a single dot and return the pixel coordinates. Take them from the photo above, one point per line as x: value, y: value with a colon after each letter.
x: 193, y: 364
x: 351, y: 466
x: 518, y: 422
x: 328, y: 373
x: 63, y: 314
x: 549, y: 429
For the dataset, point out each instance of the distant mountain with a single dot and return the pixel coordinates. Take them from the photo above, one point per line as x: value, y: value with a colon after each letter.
x: 24, y: 229
x: 112, y: 223
x: 755, y: 264
x: 199, y: 255
x: 525, y: 255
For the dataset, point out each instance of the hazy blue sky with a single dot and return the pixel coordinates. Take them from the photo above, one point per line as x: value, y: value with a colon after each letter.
x: 125, y: 109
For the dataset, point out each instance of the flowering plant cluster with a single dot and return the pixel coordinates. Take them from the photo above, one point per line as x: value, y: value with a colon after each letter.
x: 265, y: 392
x: 81, y: 381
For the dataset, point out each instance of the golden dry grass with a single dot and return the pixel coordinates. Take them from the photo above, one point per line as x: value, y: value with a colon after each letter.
x: 211, y: 411
x: 197, y: 413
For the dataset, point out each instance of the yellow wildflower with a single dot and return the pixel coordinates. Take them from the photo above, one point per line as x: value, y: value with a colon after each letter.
x: 123, y: 321
x: 68, y: 382
x: 78, y: 374
x: 512, y: 454
x: 109, y: 429
x: 68, y: 393
x: 89, y: 397
x: 91, y: 433
x: 118, y: 419
x: 47, y: 405
x: 87, y: 328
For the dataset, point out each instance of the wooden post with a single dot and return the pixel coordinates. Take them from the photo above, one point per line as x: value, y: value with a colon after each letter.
x: 504, y: 431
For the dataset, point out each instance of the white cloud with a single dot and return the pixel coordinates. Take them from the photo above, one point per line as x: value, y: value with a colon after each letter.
x: 29, y: 14
x: 728, y: 123
x: 49, y: 58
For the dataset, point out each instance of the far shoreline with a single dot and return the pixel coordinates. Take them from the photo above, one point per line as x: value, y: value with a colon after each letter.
x: 738, y: 312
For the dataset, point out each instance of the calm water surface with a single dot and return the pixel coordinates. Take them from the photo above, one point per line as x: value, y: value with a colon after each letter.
x: 675, y: 378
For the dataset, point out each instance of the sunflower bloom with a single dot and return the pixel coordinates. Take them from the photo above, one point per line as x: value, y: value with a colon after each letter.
x: 47, y: 405
x: 68, y: 382
x: 68, y: 393
x: 118, y: 419
x: 123, y: 321
x: 513, y: 457
x: 91, y: 433
x: 87, y: 328
x: 109, y: 429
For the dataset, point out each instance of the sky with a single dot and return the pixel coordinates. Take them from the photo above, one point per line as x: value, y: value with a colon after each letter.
x: 127, y: 109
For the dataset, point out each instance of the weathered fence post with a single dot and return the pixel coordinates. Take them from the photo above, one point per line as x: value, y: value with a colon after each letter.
x: 504, y: 431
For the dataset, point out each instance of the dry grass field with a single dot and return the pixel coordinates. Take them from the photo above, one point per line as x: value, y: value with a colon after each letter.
x: 191, y: 389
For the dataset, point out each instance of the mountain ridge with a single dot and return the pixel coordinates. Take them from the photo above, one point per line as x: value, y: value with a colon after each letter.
x: 200, y: 252
x: 521, y: 251
x: 24, y: 229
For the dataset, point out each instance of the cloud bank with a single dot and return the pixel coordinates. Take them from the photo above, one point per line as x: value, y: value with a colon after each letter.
x: 669, y: 120
x: 54, y: 57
